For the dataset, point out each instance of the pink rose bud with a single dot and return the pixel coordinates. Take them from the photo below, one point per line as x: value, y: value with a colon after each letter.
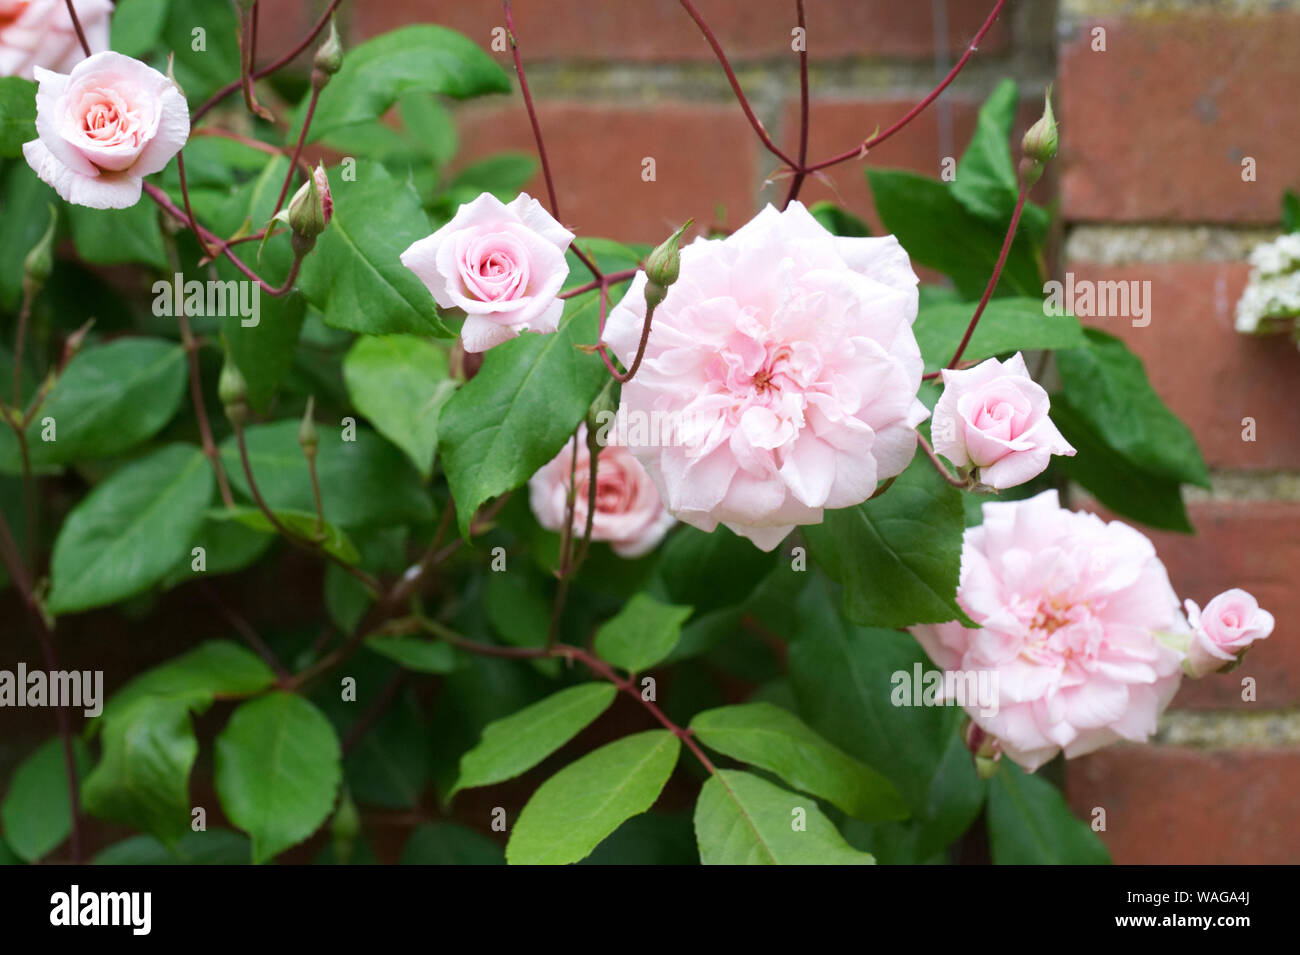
x: 1072, y: 615
x: 41, y: 33
x: 312, y: 206
x: 629, y: 514
x: 1223, y: 631
x: 994, y: 417
x: 104, y: 127
x: 784, y: 366
x: 502, y: 265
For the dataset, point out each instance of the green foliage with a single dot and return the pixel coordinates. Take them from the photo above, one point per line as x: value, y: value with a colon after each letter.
x: 1030, y: 823
x: 643, y: 634
x: 35, y: 810
x: 17, y: 114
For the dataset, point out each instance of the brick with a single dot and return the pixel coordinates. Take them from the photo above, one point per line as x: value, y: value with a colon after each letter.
x: 704, y: 156
x: 1254, y: 545
x: 1156, y: 127
x: 1174, y: 806
x: 1210, y: 375
x: 281, y: 25
x: 660, y: 30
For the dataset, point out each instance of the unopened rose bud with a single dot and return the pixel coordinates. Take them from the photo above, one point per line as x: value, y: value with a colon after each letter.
x: 310, y: 211
x: 1040, y: 144
x: 662, y: 267
x: 329, y: 57
x: 984, y: 748
x: 308, y: 438
x: 232, y: 389
x: 40, y: 260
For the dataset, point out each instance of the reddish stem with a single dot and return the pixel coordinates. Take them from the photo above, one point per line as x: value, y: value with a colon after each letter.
x: 993, y: 279
x: 801, y: 172
x: 76, y: 25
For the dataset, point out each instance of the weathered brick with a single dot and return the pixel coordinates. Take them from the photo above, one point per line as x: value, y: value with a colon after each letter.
x: 660, y: 30
x: 1209, y: 374
x: 1156, y: 127
x: 1174, y: 806
x: 704, y: 156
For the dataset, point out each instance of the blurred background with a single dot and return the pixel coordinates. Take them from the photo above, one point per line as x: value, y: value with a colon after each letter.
x: 1157, y: 113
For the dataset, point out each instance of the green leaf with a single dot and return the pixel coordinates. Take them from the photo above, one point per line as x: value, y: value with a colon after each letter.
x: 277, y: 771
x: 17, y: 115
x: 986, y: 173
x: 1290, y: 211
x: 642, y: 634
x: 1113, y: 479
x: 118, y: 236
x: 519, y: 410
x: 355, y: 275
x: 203, y: 37
x: 130, y: 530
x: 910, y: 538
x: 137, y: 26
x: 26, y: 204
x: 741, y: 819
x: 423, y: 58
x: 300, y: 523
x: 503, y: 175
x: 1007, y: 325
x: 844, y: 678
x: 838, y: 221
x: 609, y: 256
x: 446, y: 843
x: 400, y: 383
x: 227, y: 545
x: 1107, y: 386
x: 215, y: 668
x: 1030, y: 824
x: 770, y: 738
x: 583, y: 803
x: 142, y: 780
x: 110, y: 398
x: 264, y: 352
x: 389, y: 764
x: 939, y: 232
x: 414, y: 653
x: 35, y: 810
x: 362, y: 482
x: 207, y: 847
x: 516, y: 743
x: 430, y: 125
x: 710, y: 570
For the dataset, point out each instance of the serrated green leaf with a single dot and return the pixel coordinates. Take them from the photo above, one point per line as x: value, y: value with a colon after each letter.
x: 130, y: 530
x: 1007, y: 325
x: 519, y: 410
x: 771, y: 738
x: 741, y: 819
x: 583, y: 803
x: 400, y: 383
x: 118, y: 236
x: 910, y: 538
x: 300, y: 523
x: 142, y: 780
x: 516, y: 743
x: 642, y: 634
x: 214, y: 668
x: 278, y: 766
x: 415, y: 653
x: 1030, y: 823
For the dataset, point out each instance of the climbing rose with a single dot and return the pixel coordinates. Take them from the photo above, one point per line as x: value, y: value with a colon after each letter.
x: 1071, y: 613
x: 103, y: 127
x: 784, y: 358
x: 629, y: 514
x: 502, y: 265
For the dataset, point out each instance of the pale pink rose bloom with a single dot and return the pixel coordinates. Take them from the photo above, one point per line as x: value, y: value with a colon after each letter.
x: 784, y: 356
x: 994, y: 416
x: 629, y: 514
x: 503, y: 265
x: 1076, y: 619
x: 103, y: 127
x: 40, y: 33
x: 1230, y: 623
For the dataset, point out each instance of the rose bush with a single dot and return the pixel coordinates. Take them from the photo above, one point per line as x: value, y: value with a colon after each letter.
x: 399, y: 384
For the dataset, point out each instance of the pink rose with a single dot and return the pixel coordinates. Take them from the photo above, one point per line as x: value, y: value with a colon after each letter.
x: 1075, y: 620
x: 629, y: 514
x: 784, y: 358
x: 103, y: 127
x: 503, y: 265
x: 1222, y: 631
x: 994, y: 416
x: 40, y: 33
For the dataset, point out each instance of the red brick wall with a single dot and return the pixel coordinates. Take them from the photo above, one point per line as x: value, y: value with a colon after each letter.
x: 1154, y: 129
